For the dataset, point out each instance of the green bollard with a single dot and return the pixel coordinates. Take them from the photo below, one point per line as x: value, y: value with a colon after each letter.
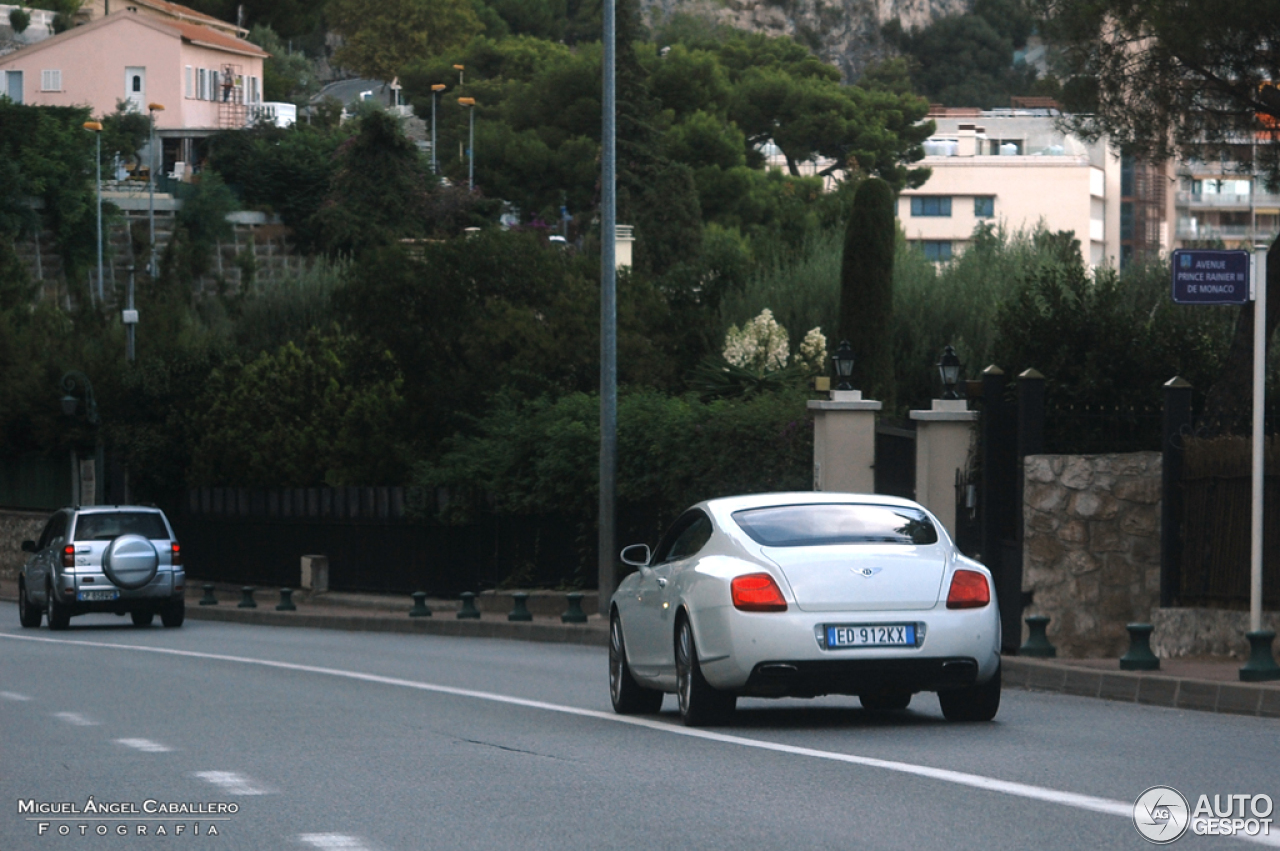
x: 1139, y: 657
x: 286, y: 601
x: 246, y: 598
x: 574, y: 614
x: 1037, y: 642
x: 468, y: 609
x: 419, y: 609
x: 1261, y: 665
x: 520, y: 611
x: 208, y: 599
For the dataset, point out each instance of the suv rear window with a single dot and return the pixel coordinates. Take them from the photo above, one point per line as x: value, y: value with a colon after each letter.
x: 824, y: 525
x: 107, y: 526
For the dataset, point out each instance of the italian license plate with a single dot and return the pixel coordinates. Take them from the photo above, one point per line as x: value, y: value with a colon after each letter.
x: 871, y: 635
x: 89, y: 596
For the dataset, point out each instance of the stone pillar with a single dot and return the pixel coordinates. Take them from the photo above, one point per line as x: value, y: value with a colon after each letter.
x: 315, y: 574
x: 844, y: 442
x: 944, y: 434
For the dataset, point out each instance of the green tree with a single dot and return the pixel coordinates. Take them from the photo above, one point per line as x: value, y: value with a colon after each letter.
x: 287, y: 76
x: 378, y: 192
x: 381, y: 40
x: 298, y: 417
x: 866, y: 288
x: 1166, y: 79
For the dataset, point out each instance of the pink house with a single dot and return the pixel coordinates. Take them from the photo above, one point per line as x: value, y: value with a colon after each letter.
x: 206, y: 79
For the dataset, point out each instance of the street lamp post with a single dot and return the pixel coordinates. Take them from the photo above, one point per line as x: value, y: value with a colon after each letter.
x: 435, y: 91
x: 69, y: 405
x: 96, y: 128
x: 459, y: 69
x: 152, y: 109
x: 470, y: 103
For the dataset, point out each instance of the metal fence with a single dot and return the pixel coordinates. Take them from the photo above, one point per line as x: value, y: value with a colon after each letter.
x: 258, y: 537
x: 1095, y: 429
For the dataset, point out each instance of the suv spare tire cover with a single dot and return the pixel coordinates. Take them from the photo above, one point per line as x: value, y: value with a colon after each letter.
x: 130, y: 561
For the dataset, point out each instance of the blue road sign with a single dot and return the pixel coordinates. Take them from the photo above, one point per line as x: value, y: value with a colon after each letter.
x: 1210, y: 277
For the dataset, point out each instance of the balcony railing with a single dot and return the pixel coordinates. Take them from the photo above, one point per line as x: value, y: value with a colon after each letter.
x: 1226, y: 233
x: 1218, y: 202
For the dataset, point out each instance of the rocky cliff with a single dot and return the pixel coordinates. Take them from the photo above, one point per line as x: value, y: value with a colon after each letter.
x: 844, y: 32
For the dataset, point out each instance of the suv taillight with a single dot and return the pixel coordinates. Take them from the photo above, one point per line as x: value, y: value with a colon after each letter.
x: 969, y: 590
x: 176, y: 558
x: 757, y: 592
x: 69, y: 556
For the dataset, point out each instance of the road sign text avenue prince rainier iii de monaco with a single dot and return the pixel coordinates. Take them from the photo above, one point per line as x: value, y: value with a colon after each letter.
x: 1210, y: 277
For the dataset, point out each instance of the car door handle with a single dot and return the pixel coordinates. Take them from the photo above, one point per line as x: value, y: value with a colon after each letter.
x: 662, y: 583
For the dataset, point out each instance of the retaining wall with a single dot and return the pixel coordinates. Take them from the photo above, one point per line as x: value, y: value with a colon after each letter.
x: 16, y: 527
x: 1091, y: 552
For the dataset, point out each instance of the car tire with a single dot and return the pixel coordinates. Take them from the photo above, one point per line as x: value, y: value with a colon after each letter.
x: 58, y: 615
x: 28, y: 613
x: 174, y: 614
x: 973, y: 703
x: 885, y: 701
x: 628, y: 696
x: 700, y: 703
x: 142, y: 618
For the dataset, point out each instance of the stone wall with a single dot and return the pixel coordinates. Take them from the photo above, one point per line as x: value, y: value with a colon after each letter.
x: 16, y: 527
x: 1091, y: 554
x: 1204, y: 632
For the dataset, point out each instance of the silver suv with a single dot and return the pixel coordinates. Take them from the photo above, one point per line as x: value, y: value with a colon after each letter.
x: 103, y: 558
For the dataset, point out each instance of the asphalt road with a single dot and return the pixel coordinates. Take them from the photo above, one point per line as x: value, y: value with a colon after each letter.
x: 325, y: 739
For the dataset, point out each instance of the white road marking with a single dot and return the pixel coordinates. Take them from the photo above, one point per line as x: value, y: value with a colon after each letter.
x: 333, y: 840
x: 232, y: 783
x: 13, y: 695
x: 1075, y: 800
x: 75, y: 718
x: 144, y: 745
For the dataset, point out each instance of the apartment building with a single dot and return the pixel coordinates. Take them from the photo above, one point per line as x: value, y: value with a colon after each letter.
x: 1014, y: 167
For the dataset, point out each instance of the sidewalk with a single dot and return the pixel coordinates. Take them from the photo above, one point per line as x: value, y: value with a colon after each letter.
x: 1206, y: 684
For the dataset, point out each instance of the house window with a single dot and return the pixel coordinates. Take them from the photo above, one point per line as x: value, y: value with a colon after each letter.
x: 984, y: 207
x: 936, y: 250
x: 50, y: 81
x: 931, y: 205
x: 189, y: 79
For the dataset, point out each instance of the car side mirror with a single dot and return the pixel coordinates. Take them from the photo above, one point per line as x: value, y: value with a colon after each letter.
x: 28, y: 546
x: 636, y: 555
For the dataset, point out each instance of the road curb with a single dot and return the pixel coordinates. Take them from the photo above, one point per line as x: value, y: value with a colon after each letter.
x: 587, y: 634
x: 1152, y: 689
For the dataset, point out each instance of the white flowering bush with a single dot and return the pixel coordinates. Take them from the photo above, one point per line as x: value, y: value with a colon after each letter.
x: 759, y: 345
x: 813, y: 352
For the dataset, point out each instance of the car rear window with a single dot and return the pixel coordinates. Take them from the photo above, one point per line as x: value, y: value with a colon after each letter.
x: 108, y: 526
x: 821, y: 525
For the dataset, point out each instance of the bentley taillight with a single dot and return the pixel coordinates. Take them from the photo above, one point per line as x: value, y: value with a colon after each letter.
x: 969, y: 590
x: 757, y: 592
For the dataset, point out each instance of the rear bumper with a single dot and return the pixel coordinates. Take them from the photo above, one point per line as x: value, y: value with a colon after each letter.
x: 811, y: 678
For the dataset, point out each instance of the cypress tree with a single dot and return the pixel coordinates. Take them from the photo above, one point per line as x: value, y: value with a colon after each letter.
x: 866, y: 289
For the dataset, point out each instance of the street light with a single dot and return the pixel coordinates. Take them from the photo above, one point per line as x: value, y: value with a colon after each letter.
x: 842, y: 360
x: 949, y: 368
x: 470, y: 104
x: 459, y: 69
x: 96, y: 128
x: 69, y: 405
x: 435, y: 90
x: 152, y: 109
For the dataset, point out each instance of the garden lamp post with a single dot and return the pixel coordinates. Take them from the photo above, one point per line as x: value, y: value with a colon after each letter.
x: 435, y: 91
x: 842, y: 360
x: 459, y: 69
x: 949, y: 367
x: 470, y: 104
x: 96, y: 128
x: 152, y: 109
x: 69, y: 404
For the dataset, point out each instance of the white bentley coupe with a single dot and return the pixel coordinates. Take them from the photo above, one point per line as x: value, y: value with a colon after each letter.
x: 800, y: 595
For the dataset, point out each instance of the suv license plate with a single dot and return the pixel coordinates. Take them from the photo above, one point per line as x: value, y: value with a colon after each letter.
x: 88, y: 596
x: 871, y: 635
